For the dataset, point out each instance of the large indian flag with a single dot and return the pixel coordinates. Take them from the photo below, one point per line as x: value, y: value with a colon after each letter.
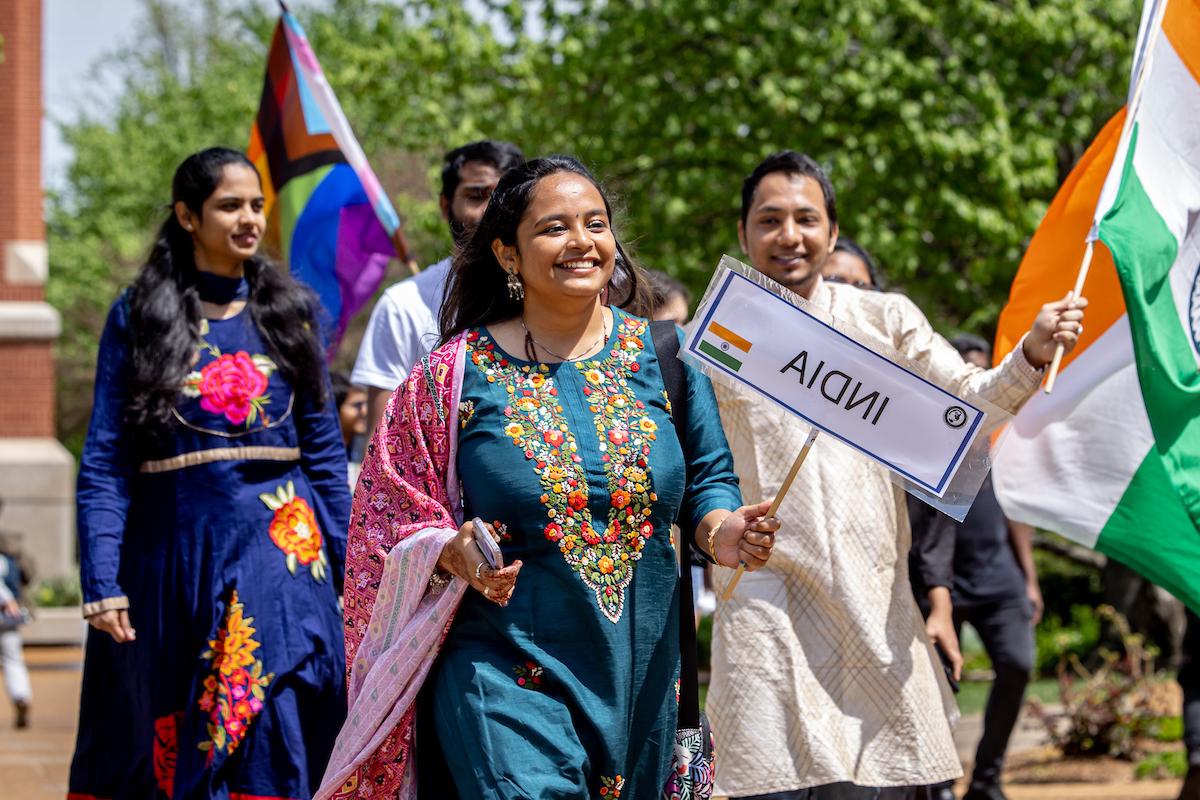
x: 1111, y: 459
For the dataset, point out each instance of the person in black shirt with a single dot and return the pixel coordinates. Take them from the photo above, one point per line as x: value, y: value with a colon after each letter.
x: 987, y: 563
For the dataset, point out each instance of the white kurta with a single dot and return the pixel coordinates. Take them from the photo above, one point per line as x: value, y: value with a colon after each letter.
x: 821, y: 670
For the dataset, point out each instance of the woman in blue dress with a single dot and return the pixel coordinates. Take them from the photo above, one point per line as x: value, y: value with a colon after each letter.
x: 558, y: 675
x: 212, y: 508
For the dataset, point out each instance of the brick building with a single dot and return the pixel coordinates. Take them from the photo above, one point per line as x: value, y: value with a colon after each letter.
x: 36, y: 472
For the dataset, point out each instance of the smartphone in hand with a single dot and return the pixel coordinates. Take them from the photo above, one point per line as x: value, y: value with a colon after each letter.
x: 486, y: 544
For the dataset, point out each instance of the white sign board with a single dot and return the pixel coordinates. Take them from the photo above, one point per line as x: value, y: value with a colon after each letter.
x: 773, y: 346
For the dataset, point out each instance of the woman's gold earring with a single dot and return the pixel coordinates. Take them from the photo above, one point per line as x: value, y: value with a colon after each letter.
x: 516, y: 287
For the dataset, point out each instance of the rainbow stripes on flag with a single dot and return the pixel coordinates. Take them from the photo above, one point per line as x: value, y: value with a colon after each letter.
x: 328, y: 218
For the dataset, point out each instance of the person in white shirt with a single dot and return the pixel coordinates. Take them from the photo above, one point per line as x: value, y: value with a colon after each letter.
x: 403, y: 325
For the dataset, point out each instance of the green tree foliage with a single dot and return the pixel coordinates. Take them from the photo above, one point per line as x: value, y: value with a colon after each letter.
x: 946, y: 126
x: 194, y: 80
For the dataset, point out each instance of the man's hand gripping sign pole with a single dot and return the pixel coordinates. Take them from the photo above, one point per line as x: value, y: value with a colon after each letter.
x: 753, y: 335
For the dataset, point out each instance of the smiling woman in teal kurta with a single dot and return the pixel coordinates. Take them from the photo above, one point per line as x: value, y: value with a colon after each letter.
x: 586, y: 654
x: 558, y: 676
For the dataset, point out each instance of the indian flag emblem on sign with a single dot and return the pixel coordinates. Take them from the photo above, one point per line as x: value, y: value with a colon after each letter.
x: 723, y: 345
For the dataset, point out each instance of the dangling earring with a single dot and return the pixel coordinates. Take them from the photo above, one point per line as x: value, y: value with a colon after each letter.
x: 516, y: 288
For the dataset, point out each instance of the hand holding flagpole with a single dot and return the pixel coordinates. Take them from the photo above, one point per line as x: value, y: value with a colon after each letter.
x: 1061, y: 348
x: 783, y: 490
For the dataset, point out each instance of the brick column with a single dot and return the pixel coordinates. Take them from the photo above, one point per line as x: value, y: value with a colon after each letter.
x: 36, y: 472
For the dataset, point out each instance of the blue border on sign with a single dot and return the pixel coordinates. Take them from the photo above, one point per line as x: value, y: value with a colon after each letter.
x: 968, y: 435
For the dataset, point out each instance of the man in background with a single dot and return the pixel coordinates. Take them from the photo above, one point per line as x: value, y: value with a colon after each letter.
x: 851, y: 263
x: 403, y: 325
x: 987, y: 563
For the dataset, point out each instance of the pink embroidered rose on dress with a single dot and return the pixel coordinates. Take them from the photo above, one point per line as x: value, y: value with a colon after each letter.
x: 233, y: 385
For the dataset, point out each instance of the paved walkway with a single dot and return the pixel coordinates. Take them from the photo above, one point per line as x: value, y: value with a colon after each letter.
x: 34, y: 762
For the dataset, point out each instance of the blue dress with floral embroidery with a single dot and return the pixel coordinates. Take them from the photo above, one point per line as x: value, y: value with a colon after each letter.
x: 226, y: 544
x: 570, y: 691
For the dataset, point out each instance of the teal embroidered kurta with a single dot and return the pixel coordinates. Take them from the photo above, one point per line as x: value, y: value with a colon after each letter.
x: 570, y: 691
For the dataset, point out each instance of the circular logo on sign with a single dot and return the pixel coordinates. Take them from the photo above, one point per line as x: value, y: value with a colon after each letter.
x: 955, y: 416
x: 1194, y: 311
x: 725, y: 346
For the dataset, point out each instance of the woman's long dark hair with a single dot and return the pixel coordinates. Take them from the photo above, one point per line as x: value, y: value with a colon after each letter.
x: 477, y: 293
x: 165, y: 308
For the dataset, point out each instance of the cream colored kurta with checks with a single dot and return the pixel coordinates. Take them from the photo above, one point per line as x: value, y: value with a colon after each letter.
x: 821, y: 670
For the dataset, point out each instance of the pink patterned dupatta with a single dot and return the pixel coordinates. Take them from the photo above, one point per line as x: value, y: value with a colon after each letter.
x: 406, y: 507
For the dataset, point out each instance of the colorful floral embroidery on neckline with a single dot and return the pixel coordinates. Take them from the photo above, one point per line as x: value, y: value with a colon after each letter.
x: 294, y: 530
x: 234, y: 693
x: 529, y: 675
x: 604, y: 560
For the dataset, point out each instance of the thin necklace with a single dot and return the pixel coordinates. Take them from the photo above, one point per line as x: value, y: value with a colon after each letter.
x: 531, y: 351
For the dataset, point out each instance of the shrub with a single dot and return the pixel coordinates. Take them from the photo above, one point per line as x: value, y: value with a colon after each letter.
x: 1105, y: 710
x: 1056, y: 639
x: 58, y: 592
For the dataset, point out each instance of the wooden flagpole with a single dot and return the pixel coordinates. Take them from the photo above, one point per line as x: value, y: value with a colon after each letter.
x: 1132, y: 107
x: 783, y: 490
x: 1076, y: 292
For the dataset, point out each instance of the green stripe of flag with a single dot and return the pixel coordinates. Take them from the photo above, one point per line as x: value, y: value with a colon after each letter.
x: 1151, y: 531
x: 720, y: 355
x: 1145, y: 251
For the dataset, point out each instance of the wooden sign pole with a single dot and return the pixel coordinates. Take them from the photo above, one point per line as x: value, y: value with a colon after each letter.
x: 783, y: 490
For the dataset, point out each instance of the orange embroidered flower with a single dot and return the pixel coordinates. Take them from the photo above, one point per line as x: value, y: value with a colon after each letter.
x: 620, y: 498
x: 576, y: 500
x: 233, y: 648
x: 234, y: 692
x: 606, y: 565
x: 294, y: 530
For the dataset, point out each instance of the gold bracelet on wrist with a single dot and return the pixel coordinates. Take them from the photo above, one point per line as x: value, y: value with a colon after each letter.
x: 712, y: 543
x: 439, y: 580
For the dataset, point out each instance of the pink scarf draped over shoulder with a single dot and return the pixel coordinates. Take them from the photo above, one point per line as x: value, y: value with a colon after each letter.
x: 406, y: 507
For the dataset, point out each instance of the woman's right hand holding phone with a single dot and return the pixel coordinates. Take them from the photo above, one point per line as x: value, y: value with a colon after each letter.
x: 462, y: 558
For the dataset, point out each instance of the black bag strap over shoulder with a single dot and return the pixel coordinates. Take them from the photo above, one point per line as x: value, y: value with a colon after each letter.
x: 666, y: 346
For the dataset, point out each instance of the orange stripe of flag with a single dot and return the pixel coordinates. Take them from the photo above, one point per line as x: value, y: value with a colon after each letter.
x: 729, y: 336
x: 1051, y: 263
x: 1181, y: 24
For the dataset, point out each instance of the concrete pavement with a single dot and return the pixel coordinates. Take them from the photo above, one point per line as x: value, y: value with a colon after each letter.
x: 34, y: 762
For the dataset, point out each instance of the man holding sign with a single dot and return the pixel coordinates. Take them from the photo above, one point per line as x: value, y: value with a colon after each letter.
x: 841, y: 699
